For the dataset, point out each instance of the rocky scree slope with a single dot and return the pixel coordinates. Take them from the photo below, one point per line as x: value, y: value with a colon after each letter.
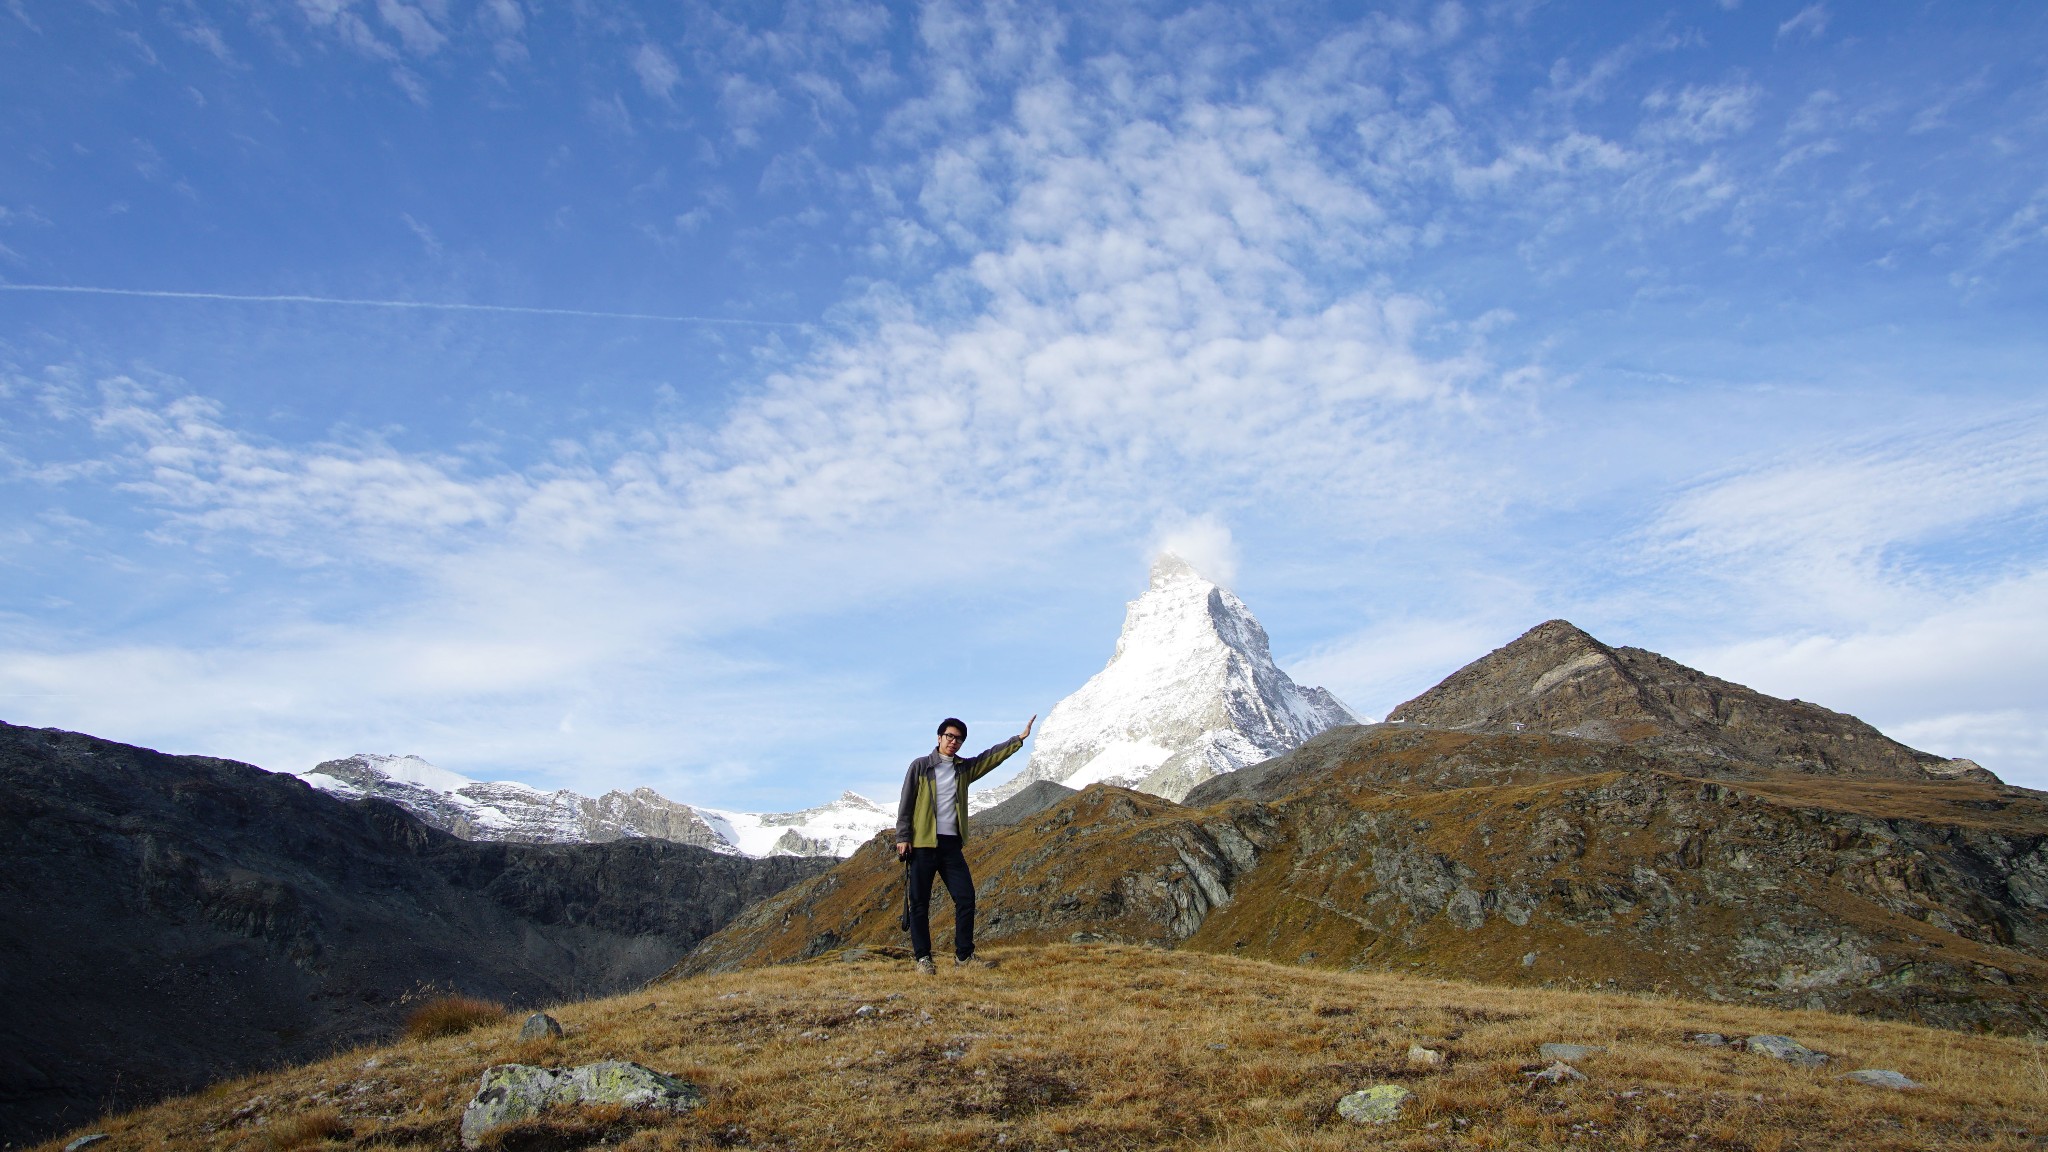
x: 1190, y: 692
x: 168, y: 920
x: 1530, y: 857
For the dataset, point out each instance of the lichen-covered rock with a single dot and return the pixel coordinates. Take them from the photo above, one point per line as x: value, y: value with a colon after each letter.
x: 1881, y: 1078
x: 1559, y: 1072
x: 633, y: 1085
x: 510, y: 1093
x: 540, y: 1026
x: 1379, y: 1104
x: 1787, y: 1049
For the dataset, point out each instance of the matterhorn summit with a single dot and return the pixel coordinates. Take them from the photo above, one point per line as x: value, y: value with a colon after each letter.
x: 1191, y: 692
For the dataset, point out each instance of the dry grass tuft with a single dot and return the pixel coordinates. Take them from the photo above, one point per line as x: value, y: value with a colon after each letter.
x: 1106, y: 1047
x: 451, y: 1016
x: 305, y: 1130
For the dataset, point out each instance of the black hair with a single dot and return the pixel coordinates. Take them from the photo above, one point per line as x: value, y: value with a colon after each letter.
x: 951, y: 722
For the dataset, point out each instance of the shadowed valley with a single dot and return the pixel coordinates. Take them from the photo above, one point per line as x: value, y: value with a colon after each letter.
x: 169, y: 920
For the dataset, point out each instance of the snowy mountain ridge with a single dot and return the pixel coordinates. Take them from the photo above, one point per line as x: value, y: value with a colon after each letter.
x: 505, y: 810
x: 1190, y: 693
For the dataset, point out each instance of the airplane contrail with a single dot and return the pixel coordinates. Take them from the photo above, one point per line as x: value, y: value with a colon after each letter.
x: 424, y: 305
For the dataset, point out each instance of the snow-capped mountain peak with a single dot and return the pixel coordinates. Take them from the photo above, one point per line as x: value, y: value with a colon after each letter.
x: 1190, y: 692
x: 833, y: 829
x: 506, y: 810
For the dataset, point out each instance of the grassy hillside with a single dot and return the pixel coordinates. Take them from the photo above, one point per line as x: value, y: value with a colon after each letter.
x: 1114, y: 1047
x: 1514, y: 859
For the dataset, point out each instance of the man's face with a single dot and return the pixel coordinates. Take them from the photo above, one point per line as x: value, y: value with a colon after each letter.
x: 950, y: 739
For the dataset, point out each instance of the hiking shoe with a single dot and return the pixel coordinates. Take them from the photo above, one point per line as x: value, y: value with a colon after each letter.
x: 972, y: 962
x: 925, y: 967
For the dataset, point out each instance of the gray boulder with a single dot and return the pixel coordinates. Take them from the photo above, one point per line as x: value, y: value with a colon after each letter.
x: 1379, y: 1104
x: 541, y: 1026
x: 1568, y: 1052
x: 511, y: 1093
x: 1881, y: 1078
x: 1787, y: 1049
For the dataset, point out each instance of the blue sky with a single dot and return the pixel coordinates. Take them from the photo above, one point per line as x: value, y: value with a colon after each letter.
x: 711, y: 398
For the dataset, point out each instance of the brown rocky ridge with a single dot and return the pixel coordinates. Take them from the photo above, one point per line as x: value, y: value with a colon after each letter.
x: 1558, y: 813
x: 1558, y: 679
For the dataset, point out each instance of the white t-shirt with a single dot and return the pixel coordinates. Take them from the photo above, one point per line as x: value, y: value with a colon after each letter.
x: 947, y: 781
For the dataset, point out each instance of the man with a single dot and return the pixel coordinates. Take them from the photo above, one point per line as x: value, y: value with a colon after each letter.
x: 931, y: 830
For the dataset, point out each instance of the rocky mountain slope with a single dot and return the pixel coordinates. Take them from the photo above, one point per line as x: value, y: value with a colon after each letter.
x: 1722, y: 860
x: 516, y: 813
x: 1555, y: 678
x: 167, y: 920
x: 1190, y: 692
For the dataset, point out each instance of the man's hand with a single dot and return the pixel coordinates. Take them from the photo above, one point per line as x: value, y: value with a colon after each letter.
x: 1026, y: 734
x: 902, y: 849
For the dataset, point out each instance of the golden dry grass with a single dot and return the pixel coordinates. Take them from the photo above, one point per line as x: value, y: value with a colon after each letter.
x: 451, y: 1016
x: 1101, y: 1047
x: 305, y: 1130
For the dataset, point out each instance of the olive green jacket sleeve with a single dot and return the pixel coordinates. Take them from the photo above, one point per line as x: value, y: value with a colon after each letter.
x: 917, y: 808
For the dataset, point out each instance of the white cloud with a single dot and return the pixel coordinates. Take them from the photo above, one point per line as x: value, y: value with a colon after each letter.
x: 1143, y: 325
x: 1823, y: 532
x: 338, y: 17
x: 1810, y: 23
x: 208, y: 37
x: 414, y: 29
x: 747, y: 104
x: 508, y: 45
x: 2028, y: 224
x: 1830, y: 569
x: 658, y: 74
x: 1701, y: 114
x: 1203, y: 541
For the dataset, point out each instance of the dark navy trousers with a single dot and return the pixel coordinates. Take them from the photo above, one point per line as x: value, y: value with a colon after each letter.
x: 949, y: 864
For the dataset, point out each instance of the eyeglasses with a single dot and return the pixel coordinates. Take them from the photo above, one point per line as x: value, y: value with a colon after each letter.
x: 955, y: 737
